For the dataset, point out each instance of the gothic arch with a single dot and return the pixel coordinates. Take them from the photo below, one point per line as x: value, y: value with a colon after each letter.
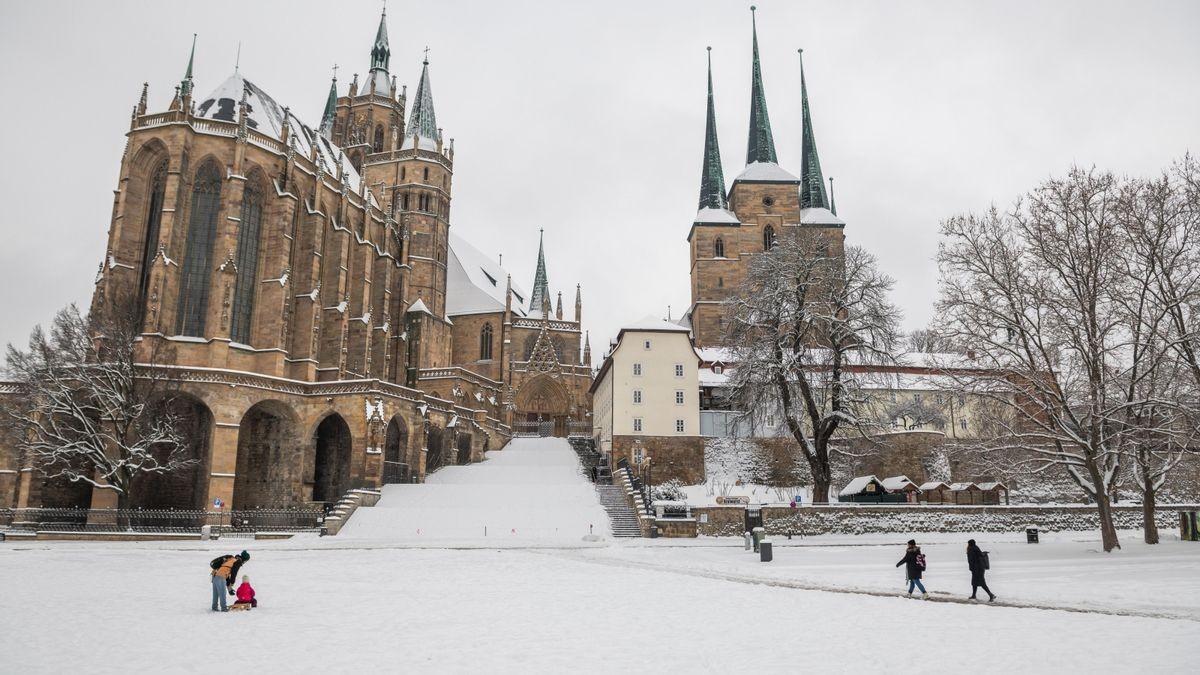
x: 269, y: 467
x: 198, y: 253
x: 485, y: 342
x: 543, y: 394
x: 768, y: 238
x: 254, y: 206
x: 332, y: 446
x: 719, y: 248
x: 186, y: 488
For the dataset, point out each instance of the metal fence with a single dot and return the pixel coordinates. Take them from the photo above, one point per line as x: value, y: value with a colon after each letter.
x: 180, y: 521
x: 395, y: 472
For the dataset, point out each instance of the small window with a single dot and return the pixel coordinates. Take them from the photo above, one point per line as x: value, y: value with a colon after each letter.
x: 719, y: 248
x: 637, y: 395
x: 678, y: 370
x: 678, y: 398
x: 647, y: 344
x: 917, y: 399
x: 637, y: 369
x: 679, y: 426
x: 768, y: 238
x: 718, y: 369
x: 770, y: 421
x: 962, y: 400
x: 637, y: 424
x: 426, y: 174
x: 962, y: 424
x: 720, y: 282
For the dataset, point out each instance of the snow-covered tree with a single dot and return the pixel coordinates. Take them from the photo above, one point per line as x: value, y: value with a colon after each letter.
x: 915, y: 414
x: 800, y: 320
x: 89, y: 409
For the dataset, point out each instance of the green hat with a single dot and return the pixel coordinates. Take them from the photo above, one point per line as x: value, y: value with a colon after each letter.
x: 245, y: 556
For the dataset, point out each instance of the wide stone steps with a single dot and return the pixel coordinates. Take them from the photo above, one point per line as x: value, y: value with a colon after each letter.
x: 623, y: 517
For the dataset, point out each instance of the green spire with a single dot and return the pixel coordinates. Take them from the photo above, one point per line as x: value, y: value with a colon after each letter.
x: 812, y: 184
x: 185, y: 86
x: 541, y: 286
x: 422, y: 121
x: 712, y: 180
x: 761, y: 147
x: 380, y: 53
x: 330, y: 113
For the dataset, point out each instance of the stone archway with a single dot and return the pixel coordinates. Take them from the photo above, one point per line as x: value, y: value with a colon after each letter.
x: 331, y: 466
x: 395, y: 452
x: 546, y: 402
x: 435, y: 457
x: 464, y: 449
x: 186, y: 488
x: 269, y: 464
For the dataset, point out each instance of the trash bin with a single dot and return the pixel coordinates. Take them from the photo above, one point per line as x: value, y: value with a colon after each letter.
x: 1031, y: 535
x: 764, y: 550
x: 749, y: 543
x: 759, y: 534
x: 653, y: 532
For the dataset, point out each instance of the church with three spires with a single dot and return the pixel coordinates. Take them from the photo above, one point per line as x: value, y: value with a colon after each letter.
x: 764, y: 201
x: 321, y: 325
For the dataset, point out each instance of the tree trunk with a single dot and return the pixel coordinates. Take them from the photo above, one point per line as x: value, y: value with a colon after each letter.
x: 1149, y: 527
x: 124, y: 501
x: 820, y: 492
x: 1108, y: 532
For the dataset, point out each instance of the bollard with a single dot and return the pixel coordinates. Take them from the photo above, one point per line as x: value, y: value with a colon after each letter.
x: 205, y: 532
x: 764, y: 550
x: 748, y: 543
x: 759, y: 535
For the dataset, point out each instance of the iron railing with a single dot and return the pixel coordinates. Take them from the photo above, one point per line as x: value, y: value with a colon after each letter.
x: 163, y: 520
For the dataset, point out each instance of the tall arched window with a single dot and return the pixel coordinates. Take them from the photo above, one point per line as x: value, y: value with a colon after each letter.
x: 377, y: 146
x: 719, y: 248
x: 247, y: 261
x: 485, y: 343
x: 768, y: 238
x: 157, y: 191
x: 197, y: 258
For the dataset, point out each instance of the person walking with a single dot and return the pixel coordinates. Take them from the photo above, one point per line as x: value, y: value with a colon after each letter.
x: 976, y: 563
x: 224, y: 574
x: 914, y: 566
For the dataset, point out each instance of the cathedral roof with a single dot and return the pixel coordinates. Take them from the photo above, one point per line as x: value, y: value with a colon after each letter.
x: 761, y: 145
x: 712, y: 179
x: 475, y: 284
x: 422, y: 122
x: 819, y: 216
x: 765, y: 172
x: 541, y: 283
x: 812, y: 183
x: 267, y: 117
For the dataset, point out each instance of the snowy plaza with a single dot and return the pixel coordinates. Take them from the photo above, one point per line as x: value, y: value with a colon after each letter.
x: 534, y: 597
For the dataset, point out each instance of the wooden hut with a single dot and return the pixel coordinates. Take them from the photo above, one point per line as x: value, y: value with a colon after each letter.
x: 868, y: 490
x: 966, y: 494
x: 935, y: 492
x: 901, y: 485
x: 994, y: 493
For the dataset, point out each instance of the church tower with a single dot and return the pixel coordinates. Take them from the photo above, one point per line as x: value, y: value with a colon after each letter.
x: 370, y: 117
x: 764, y: 201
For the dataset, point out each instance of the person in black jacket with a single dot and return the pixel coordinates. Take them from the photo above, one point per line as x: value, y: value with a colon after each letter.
x: 224, y: 574
x: 975, y: 564
x: 914, y: 565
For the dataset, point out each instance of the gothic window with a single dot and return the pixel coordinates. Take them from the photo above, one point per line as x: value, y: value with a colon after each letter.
x: 356, y: 162
x: 485, y: 342
x: 403, y: 170
x: 247, y: 261
x: 197, y: 258
x: 768, y: 238
x: 158, y: 188
x: 719, y: 248
x: 377, y: 146
x: 404, y: 202
x: 426, y: 178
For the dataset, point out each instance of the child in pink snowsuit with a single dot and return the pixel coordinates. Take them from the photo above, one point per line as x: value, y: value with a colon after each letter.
x: 245, y: 595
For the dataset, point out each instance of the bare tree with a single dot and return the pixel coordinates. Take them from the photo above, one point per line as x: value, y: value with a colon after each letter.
x: 88, y: 410
x: 915, y: 414
x: 930, y: 340
x: 801, y: 319
x: 1039, y: 294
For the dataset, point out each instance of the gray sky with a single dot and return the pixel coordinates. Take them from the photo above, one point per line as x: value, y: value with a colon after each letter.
x: 588, y: 118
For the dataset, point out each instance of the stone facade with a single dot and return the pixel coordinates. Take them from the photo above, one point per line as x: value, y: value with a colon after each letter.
x: 671, y: 457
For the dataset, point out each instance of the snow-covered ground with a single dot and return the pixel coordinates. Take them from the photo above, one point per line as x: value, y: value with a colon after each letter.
x: 453, y: 601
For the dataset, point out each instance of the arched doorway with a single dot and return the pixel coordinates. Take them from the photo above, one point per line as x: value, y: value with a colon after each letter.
x: 545, y: 403
x: 186, y: 488
x: 464, y: 449
x: 331, y: 467
x: 434, y: 455
x: 395, y: 452
x: 269, y: 464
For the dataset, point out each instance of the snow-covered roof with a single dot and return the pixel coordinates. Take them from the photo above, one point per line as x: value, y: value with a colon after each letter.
x: 819, y: 216
x: 710, y: 215
x: 420, y: 306
x: 958, y: 487
x: 266, y: 116
x: 897, y: 483
x: 857, y: 485
x: 475, y: 284
x: 992, y: 486
x: 715, y: 354
x: 654, y: 323
x: 932, y: 485
x: 383, y: 84
x: 710, y: 379
x: 425, y: 144
x: 769, y: 172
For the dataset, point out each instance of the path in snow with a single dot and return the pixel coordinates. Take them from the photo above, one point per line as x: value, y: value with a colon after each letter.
x: 532, y: 490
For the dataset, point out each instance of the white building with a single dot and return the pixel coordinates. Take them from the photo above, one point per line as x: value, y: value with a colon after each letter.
x: 646, y: 403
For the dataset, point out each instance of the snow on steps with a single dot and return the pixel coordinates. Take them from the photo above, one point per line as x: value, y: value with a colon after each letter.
x: 346, y: 506
x: 627, y: 511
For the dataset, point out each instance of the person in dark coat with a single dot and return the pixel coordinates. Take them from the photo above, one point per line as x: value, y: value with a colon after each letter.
x: 975, y: 564
x: 912, y: 568
x: 224, y: 574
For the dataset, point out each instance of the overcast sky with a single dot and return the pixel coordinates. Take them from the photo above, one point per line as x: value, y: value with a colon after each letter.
x: 587, y: 119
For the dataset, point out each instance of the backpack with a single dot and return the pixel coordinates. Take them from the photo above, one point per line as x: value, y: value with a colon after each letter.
x: 921, y: 561
x: 217, y: 562
x: 987, y: 563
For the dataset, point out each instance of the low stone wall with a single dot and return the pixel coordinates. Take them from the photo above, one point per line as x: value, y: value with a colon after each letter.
x: 676, y: 528
x: 729, y: 521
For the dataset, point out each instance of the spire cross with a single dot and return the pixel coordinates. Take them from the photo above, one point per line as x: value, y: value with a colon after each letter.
x: 426, y: 54
x: 335, y: 69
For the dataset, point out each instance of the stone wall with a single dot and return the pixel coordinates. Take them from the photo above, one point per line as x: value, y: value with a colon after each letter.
x: 672, y: 457
x: 729, y: 521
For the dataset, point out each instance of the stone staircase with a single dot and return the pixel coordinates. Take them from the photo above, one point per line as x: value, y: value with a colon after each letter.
x: 625, y: 520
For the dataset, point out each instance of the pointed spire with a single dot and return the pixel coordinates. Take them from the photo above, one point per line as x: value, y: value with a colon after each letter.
x: 832, y: 204
x: 330, y: 113
x: 587, y: 349
x: 558, y: 307
x: 185, y: 85
x: 422, y: 122
x: 812, y: 184
x: 712, y: 179
x: 540, y: 298
x: 141, y: 106
x: 578, y: 303
x: 380, y: 52
x: 761, y: 146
